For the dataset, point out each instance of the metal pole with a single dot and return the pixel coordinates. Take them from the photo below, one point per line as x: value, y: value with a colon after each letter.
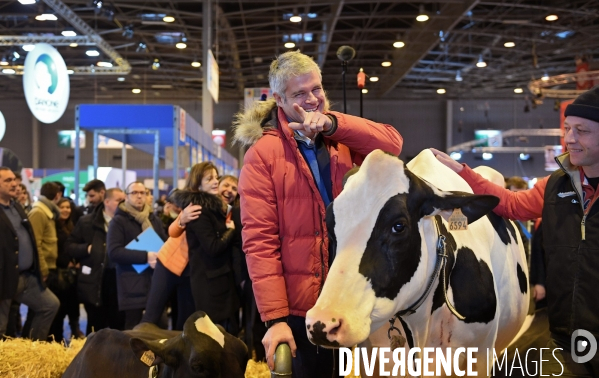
x: 124, y: 165
x: 207, y: 104
x: 176, y: 126
x: 361, y: 101
x: 344, y: 65
x: 156, y: 164
x: 77, y: 152
x: 95, y: 154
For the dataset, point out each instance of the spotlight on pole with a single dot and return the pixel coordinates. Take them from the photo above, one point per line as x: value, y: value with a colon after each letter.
x: 345, y: 54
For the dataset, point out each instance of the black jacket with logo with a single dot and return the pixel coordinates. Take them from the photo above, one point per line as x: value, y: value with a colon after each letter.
x: 572, y: 264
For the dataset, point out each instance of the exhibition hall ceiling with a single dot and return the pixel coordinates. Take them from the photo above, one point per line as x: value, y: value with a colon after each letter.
x: 517, y: 40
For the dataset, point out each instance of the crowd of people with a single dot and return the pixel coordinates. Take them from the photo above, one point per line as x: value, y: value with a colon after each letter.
x: 261, y: 244
x: 65, y: 255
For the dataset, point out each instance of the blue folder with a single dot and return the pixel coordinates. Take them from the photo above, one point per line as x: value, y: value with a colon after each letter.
x: 146, y: 241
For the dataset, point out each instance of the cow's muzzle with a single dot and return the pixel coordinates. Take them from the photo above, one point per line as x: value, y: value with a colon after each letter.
x: 324, y: 329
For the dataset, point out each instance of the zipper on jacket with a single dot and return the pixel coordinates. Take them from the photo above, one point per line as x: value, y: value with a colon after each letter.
x: 584, y: 216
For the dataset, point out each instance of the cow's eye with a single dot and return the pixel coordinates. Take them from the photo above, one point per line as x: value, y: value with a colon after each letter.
x: 397, y: 228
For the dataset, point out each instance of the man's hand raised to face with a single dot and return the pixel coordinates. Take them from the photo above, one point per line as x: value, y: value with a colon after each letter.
x: 312, y: 122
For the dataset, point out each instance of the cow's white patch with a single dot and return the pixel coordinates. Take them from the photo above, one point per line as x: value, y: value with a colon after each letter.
x: 205, y: 326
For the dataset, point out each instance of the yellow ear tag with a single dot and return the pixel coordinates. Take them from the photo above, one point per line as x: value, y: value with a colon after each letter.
x: 148, y: 357
x: 457, y: 221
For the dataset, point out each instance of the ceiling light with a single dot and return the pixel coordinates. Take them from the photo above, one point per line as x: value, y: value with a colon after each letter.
x: 120, y: 79
x: 422, y: 16
x: 455, y: 155
x: 46, y: 17
x: 168, y: 19
x: 441, y: 91
x: 70, y: 72
x: 181, y: 45
x: 518, y: 90
x: 136, y: 90
x: 128, y: 32
x: 398, y: 44
x: 289, y: 45
x: 28, y: 47
x: 156, y: 64
x: 545, y: 77
x: 364, y: 90
x: 551, y: 17
x: 15, y: 55
x: 142, y: 47
x: 374, y: 79
x: 481, y: 63
x: 487, y: 156
x: 386, y: 63
x: 73, y: 44
x: 196, y: 64
x: 509, y: 44
x: 295, y: 18
x: 3, y: 62
x: 458, y: 76
x: 524, y: 156
x: 92, y: 53
x: 8, y: 71
x: 104, y: 64
x: 68, y: 33
x: 27, y: 2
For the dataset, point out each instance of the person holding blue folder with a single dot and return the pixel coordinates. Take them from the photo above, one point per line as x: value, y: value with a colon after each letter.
x: 132, y: 218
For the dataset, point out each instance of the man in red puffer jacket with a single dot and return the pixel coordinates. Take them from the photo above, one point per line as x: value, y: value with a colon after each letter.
x: 299, y: 153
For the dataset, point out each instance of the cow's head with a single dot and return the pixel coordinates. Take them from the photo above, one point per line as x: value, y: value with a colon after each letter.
x: 381, y: 263
x: 203, y: 350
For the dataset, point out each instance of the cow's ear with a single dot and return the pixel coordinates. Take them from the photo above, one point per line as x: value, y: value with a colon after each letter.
x: 473, y: 206
x: 151, y: 353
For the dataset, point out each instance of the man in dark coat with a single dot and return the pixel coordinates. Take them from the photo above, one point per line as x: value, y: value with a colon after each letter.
x: 20, y: 277
x: 96, y: 283
x: 132, y: 218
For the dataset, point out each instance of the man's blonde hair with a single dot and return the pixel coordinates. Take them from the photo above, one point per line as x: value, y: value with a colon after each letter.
x: 287, y: 65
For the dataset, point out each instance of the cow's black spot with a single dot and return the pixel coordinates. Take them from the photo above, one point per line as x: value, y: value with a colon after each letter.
x: 450, y: 248
x: 330, y: 222
x: 319, y: 337
x: 510, y: 226
x: 391, y: 258
x: 503, y: 227
x: 522, y: 281
x: 473, y: 289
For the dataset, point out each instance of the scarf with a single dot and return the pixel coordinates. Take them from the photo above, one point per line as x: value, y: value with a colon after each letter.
x: 51, y: 206
x: 141, y: 217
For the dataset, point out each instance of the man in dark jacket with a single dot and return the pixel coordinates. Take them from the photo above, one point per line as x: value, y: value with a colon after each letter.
x: 20, y: 277
x: 96, y: 283
x: 567, y: 202
x: 132, y: 218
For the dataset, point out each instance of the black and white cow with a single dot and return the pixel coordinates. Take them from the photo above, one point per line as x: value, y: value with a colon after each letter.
x: 386, y: 224
x: 202, y: 350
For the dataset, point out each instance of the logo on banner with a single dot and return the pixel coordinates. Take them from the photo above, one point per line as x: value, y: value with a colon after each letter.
x: 2, y: 126
x: 46, y: 83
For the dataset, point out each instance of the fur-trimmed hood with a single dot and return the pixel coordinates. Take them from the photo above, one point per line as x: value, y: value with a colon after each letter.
x: 250, y: 124
x: 182, y: 198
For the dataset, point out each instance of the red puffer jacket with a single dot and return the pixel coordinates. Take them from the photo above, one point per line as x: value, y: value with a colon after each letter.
x: 283, y: 215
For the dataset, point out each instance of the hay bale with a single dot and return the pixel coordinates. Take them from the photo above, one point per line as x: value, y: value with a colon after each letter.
x: 257, y: 370
x: 20, y: 358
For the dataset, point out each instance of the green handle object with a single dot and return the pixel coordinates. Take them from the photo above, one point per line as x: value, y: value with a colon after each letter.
x: 282, y: 361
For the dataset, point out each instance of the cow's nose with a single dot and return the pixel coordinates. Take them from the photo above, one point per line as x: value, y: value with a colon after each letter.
x: 324, y: 329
